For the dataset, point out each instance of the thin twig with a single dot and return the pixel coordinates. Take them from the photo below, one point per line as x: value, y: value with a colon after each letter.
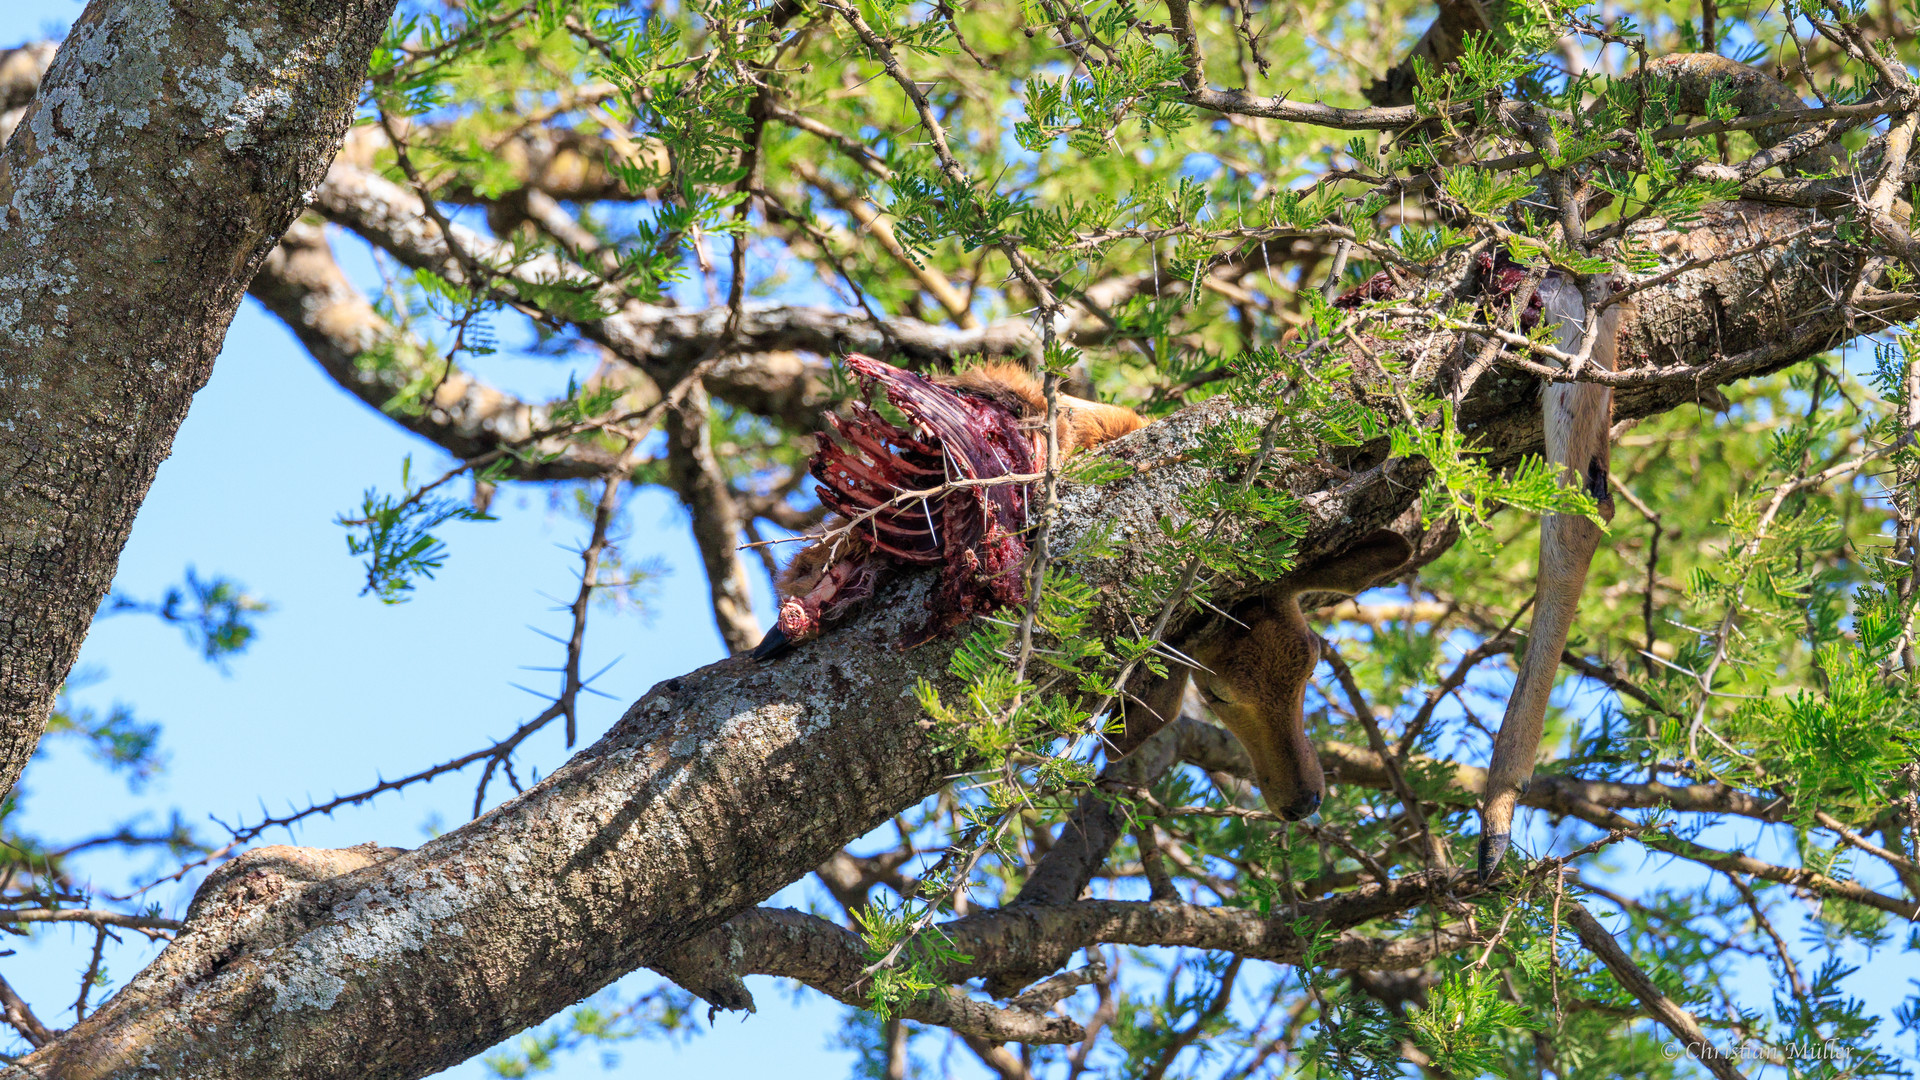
x: 1436, y: 853
x: 92, y: 974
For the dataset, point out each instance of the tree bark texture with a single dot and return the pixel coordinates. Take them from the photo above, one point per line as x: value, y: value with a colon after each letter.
x: 169, y: 146
x: 719, y: 787
x: 712, y: 792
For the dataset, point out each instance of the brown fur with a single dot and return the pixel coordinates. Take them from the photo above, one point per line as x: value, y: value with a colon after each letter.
x: 1253, y: 674
x: 1082, y: 424
x: 804, y: 572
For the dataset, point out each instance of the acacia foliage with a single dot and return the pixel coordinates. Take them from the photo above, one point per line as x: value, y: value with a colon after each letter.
x: 1006, y: 163
x: 1059, y: 166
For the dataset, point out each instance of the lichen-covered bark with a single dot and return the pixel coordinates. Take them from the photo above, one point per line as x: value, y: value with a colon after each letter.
x: 711, y: 792
x: 168, y: 148
x: 1712, y: 325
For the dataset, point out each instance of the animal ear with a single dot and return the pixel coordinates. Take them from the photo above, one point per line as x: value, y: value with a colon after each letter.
x: 1356, y: 568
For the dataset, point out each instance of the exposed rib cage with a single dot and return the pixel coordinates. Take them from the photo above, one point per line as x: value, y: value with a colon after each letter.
x: 972, y: 532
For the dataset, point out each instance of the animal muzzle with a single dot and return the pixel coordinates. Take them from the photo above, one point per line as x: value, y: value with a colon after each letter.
x: 1292, y: 784
x: 1302, y: 806
x: 1285, y: 764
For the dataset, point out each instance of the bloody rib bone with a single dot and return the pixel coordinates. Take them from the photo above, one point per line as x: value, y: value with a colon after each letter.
x: 921, y: 495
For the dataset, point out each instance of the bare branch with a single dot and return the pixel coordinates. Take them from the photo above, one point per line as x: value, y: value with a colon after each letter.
x: 1671, y: 1016
x: 1012, y: 936
x: 660, y: 341
x: 769, y: 941
x: 88, y: 916
x: 1595, y: 801
x: 303, y: 285
x: 89, y: 976
x: 870, y: 219
x: 695, y: 473
x: 17, y: 1013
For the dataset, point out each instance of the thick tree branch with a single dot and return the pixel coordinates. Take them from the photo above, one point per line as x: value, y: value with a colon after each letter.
x: 665, y: 342
x: 712, y: 792
x: 851, y: 878
x: 1660, y: 1006
x: 109, y: 329
x: 1096, y: 823
x: 363, y: 353
x: 303, y: 285
x: 1597, y: 802
x: 1560, y: 794
x: 1443, y: 43
x: 1011, y: 938
x: 19, y: 1015
x: 662, y: 342
x: 558, y: 162
x: 876, y: 225
x: 1089, y: 833
x: 21, y: 70
x: 767, y: 941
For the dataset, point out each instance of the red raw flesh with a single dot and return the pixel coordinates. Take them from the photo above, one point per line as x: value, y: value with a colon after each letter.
x: 977, y: 541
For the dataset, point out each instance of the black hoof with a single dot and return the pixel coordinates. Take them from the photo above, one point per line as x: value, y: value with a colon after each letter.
x: 775, y: 645
x: 1493, y: 848
x: 1302, y: 807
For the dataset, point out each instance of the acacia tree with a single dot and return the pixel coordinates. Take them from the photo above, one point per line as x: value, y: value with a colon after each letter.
x: 1310, y: 249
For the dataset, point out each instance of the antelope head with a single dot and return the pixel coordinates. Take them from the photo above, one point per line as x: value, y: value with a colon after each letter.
x: 1255, y: 669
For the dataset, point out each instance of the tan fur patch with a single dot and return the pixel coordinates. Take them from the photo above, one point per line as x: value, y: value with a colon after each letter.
x: 1083, y: 424
x: 1255, y: 671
